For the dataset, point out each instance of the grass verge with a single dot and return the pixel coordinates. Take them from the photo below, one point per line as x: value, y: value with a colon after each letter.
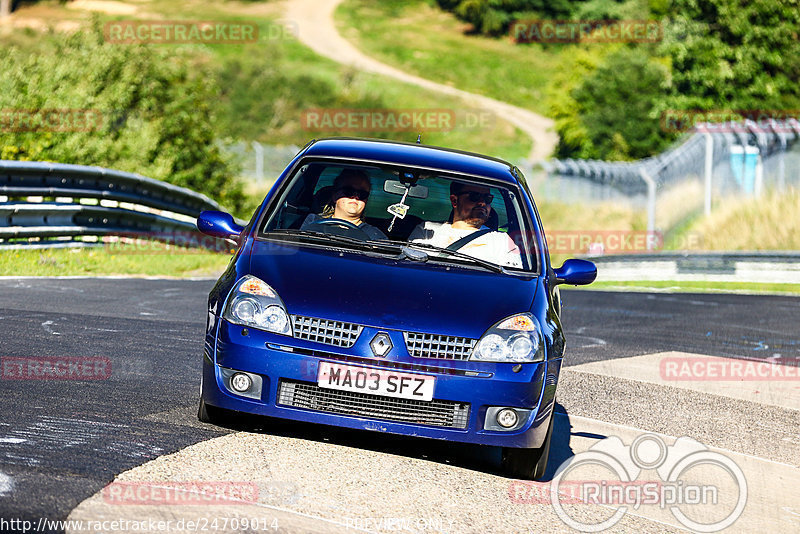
x: 156, y: 260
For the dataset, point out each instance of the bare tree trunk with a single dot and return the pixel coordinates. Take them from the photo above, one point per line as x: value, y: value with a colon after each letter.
x: 5, y: 8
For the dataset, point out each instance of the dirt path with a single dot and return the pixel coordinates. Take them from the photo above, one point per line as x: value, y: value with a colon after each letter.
x: 313, y: 20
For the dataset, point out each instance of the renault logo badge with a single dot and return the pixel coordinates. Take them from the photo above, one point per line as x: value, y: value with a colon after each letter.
x: 381, y: 344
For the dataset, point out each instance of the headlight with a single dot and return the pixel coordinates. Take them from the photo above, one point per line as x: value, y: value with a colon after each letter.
x: 516, y: 339
x: 254, y: 303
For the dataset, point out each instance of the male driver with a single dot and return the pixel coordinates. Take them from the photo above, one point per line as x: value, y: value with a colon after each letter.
x: 471, y: 208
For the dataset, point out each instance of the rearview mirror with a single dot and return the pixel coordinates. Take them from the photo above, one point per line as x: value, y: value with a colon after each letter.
x: 397, y: 188
x: 218, y: 224
x: 576, y: 273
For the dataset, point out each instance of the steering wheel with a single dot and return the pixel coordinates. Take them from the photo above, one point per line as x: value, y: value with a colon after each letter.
x: 339, y: 227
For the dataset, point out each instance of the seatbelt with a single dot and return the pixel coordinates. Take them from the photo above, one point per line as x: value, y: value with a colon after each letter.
x: 467, y: 238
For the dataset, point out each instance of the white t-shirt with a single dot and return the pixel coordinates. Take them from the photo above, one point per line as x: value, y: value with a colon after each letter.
x: 495, y: 247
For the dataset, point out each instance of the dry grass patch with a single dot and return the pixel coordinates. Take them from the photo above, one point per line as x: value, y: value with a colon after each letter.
x: 771, y: 222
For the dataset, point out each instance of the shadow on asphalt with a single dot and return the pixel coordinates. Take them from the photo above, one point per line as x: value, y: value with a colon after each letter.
x: 474, y: 457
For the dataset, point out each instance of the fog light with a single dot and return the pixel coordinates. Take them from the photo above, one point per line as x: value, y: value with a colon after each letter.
x: 507, y: 418
x: 241, y: 382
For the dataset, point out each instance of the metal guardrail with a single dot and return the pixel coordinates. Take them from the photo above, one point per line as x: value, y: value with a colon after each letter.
x: 128, y: 204
x: 765, y: 267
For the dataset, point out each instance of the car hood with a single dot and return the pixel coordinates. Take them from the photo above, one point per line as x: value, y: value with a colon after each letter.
x: 382, y: 292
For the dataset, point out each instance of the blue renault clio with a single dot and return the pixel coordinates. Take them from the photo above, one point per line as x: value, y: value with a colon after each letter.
x: 397, y: 288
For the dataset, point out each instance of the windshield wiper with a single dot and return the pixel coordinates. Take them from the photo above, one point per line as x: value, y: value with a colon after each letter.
x: 372, y: 244
x: 484, y: 263
x: 319, y: 235
x: 406, y: 248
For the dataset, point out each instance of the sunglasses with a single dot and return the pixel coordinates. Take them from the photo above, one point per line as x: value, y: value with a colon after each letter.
x: 475, y: 196
x: 352, y: 192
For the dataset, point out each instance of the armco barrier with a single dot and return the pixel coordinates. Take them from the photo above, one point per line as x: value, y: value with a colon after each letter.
x: 765, y: 267
x: 126, y: 204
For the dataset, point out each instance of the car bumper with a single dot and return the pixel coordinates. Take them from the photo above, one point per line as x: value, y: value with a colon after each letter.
x: 288, y: 369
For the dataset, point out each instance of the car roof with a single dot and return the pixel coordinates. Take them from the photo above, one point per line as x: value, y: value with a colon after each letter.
x: 416, y: 155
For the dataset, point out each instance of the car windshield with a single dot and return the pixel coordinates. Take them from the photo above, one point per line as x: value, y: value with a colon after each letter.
x: 438, y: 217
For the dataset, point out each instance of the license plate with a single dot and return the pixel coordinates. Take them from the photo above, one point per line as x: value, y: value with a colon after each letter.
x: 375, y: 381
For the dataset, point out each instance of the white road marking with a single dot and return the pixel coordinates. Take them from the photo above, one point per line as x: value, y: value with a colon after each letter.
x: 47, y: 325
x: 6, y: 484
x: 592, y: 341
x: 12, y: 440
x: 703, y: 373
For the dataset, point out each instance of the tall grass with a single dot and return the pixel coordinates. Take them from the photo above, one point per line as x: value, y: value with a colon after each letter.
x: 769, y: 222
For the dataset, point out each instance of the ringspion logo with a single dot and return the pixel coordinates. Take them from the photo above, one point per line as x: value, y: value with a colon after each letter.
x: 704, y: 490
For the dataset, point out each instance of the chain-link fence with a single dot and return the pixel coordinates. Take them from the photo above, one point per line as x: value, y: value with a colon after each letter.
x: 260, y: 163
x: 711, y: 164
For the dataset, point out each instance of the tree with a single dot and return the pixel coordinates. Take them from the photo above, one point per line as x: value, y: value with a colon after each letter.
x: 494, y: 17
x: 733, y: 54
x: 152, y: 109
x: 620, y: 102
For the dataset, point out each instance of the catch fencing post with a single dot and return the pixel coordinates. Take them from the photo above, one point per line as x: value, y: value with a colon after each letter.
x: 709, y: 170
x: 651, y: 205
x: 259, y: 160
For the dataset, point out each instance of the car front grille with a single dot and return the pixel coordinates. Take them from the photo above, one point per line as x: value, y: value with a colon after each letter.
x: 434, y: 413
x: 441, y: 347
x: 337, y: 333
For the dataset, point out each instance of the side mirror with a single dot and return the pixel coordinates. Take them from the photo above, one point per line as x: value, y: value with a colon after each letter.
x: 576, y: 273
x: 218, y: 224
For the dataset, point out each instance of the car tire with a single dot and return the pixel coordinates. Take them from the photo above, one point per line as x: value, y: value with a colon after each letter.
x: 209, y: 414
x: 528, y: 464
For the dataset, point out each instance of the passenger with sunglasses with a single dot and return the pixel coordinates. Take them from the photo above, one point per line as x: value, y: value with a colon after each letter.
x: 348, y: 200
x: 467, y: 232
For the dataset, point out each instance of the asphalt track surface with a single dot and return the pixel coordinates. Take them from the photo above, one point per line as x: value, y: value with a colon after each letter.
x: 62, y: 441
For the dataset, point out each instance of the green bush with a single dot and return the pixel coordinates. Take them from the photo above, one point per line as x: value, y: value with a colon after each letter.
x: 494, y: 17
x: 156, y: 107
x: 619, y: 102
x: 734, y: 54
